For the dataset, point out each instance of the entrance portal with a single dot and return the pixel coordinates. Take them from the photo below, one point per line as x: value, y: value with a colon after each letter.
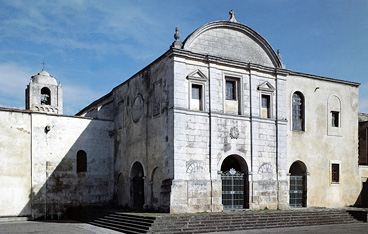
x: 137, y: 185
x: 234, y: 183
x: 298, y: 185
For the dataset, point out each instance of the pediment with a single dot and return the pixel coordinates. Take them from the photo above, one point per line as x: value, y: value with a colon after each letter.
x: 233, y: 41
x: 266, y: 86
x: 197, y: 75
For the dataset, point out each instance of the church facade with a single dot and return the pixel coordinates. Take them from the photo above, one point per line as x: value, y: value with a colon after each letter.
x: 217, y: 122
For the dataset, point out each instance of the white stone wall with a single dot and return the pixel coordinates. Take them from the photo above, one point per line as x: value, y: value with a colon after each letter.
x: 56, y: 185
x: 202, y: 139
x: 15, y: 170
x: 144, y: 134
x: 38, y: 175
x: 317, y: 147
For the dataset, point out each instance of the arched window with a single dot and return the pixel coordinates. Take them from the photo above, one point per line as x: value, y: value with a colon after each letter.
x: 45, y: 96
x: 81, y: 161
x: 298, y: 111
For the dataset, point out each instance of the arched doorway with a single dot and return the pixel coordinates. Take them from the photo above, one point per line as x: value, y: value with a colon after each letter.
x: 235, y: 185
x: 298, y: 185
x: 137, y: 185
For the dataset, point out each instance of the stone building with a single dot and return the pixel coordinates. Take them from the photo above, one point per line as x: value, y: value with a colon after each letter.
x: 49, y: 161
x: 217, y: 122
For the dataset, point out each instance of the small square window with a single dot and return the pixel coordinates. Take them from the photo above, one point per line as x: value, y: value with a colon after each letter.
x: 335, y: 173
x: 335, y: 118
x: 230, y: 90
x: 265, y: 106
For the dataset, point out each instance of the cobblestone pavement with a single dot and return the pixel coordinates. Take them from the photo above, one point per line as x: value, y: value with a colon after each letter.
x: 355, y: 228
x: 72, y: 227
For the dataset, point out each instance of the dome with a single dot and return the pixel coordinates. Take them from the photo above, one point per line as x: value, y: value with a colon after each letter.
x: 44, y: 78
x: 232, y: 40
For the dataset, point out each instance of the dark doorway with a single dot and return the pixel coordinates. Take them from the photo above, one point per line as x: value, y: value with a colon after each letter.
x: 137, y: 185
x: 235, y: 183
x: 298, y: 185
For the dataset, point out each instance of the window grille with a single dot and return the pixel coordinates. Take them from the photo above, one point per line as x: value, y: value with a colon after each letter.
x: 230, y: 90
x: 298, y: 112
x: 335, y: 172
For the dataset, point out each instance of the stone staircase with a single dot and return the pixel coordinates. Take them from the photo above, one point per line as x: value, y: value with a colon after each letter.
x: 214, y: 222
x: 114, y: 220
x: 249, y: 220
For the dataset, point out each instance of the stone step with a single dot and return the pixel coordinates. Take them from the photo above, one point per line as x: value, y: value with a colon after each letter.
x: 259, y: 220
x: 215, y: 223
x: 137, y: 220
x: 118, y: 221
x: 119, y: 229
x: 144, y: 226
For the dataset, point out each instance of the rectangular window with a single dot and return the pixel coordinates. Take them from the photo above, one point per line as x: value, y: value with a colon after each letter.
x: 335, y: 173
x: 196, y: 100
x: 196, y: 92
x: 335, y: 118
x: 265, y: 106
x: 230, y: 90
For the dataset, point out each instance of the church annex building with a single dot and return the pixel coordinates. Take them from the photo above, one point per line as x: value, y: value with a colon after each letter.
x: 217, y: 122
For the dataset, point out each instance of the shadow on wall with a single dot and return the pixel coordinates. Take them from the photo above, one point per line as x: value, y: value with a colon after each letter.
x: 60, y: 179
x: 362, y: 200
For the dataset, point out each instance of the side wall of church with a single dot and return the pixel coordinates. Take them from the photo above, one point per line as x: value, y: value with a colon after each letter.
x: 56, y: 183
x: 15, y: 158
x: 144, y: 138
x: 320, y: 144
x: 204, y: 138
x: 39, y: 169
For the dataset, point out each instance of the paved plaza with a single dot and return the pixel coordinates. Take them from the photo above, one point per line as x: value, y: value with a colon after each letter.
x: 55, y: 227
x: 72, y: 227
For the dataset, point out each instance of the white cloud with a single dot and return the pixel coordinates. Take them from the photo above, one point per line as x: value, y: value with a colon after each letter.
x: 91, y: 25
x: 13, y: 82
x: 14, y: 79
x: 76, y: 97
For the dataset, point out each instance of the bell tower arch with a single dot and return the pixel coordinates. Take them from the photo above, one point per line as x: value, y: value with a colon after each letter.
x: 44, y: 94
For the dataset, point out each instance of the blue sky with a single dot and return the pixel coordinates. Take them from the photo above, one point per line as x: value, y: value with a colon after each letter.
x: 91, y: 46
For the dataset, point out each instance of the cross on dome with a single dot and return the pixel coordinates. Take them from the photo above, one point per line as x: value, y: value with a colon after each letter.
x: 232, y: 16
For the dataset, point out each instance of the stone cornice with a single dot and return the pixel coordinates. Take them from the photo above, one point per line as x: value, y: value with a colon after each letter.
x: 225, y: 61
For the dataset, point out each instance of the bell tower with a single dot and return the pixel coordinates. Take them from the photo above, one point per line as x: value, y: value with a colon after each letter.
x: 44, y: 94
